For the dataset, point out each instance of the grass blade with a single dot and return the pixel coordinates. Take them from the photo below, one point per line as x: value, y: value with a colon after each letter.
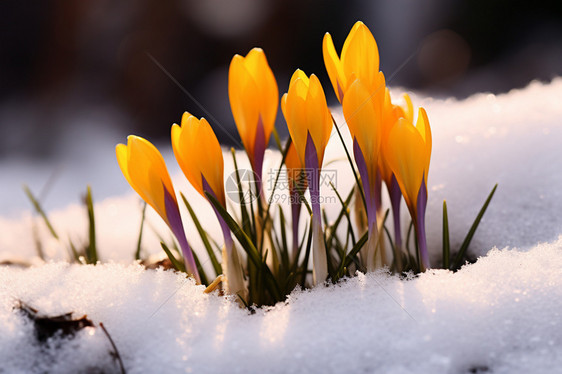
x: 350, y: 163
x: 462, y: 251
x: 91, y: 250
x: 200, y: 269
x: 139, y: 241
x: 306, y: 256
x: 40, y: 211
x: 246, y: 223
x: 446, y: 240
x: 178, y: 265
x: 284, y: 250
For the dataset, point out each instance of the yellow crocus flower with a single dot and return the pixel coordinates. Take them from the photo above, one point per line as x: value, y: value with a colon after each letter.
x: 391, y: 114
x: 199, y: 155
x: 306, y: 112
x: 310, y: 124
x: 144, y: 168
x: 359, y: 60
x: 254, y: 100
x: 408, y: 153
x: 363, y: 111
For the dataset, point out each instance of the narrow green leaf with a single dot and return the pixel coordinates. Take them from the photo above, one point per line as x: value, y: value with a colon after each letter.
x: 91, y: 250
x: 216, y: 264
x: 459, y: 258
x: 306, y: 256
x: 40, y: 211
x: 200, y: 269
x: 284, y: 250
x: 446, y: 240
x: 246, y: 225
x: 277, y: 139
x: 139, y: 241
x: 355, y: 174
x: 355, y: 250
x: 178, y: 265
x: 408, y: 237
x: 74, y: 252
x: 344, y: 210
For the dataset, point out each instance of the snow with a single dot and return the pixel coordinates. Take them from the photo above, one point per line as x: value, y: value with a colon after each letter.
x: 499, y: 315
x: 502, y: 313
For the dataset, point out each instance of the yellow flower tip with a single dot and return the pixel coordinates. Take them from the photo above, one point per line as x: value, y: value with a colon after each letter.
x: 306, y: 111
x: 423, y: 127
x: 199, y: 154
x: 359, y: 59
x: 408, y: 153
x: 144, y: 168
x: 185, y: 116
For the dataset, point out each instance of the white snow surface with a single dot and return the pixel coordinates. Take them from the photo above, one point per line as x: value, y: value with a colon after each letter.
x: 498, y: 315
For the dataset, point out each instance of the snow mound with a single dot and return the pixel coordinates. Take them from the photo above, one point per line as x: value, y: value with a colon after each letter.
x: 500, y: 315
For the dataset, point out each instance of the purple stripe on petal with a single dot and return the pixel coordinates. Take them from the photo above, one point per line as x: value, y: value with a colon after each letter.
x: 395, y: 199
x: 176, y: 225
x: 260, y: 144
x: 420, y: 223
x: 369, y: 198
x: 340, y: 91
x: 296, y: 212
x: 313, y: 175
x: 224, y: 227
x: 377, y: 190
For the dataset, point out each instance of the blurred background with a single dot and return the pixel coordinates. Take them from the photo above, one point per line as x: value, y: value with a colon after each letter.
x: 77, y: 76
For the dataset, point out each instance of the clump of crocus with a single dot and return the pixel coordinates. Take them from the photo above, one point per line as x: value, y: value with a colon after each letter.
x: 310, y: 124
x: 408, y: 153
x: 144, y: 168
x: 199, y: 155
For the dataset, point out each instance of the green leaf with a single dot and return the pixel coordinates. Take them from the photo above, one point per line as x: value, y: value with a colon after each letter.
x: 246, y: 224
x: 74, y: 251
x: 459, y: 258
x: 178, y: 265
x: 345, y: 205
x: 139, y: 241
x: 284, y: 249
x: 216, y: 264
x: 200, y: 269
x: 355, y: 174
x: 355, y: 250
x: 40, y: 211
x: 446, y: 240
x: 408, y: 235
x: 91, y: 250
x: 306, y: 256
x: 277, y: 139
